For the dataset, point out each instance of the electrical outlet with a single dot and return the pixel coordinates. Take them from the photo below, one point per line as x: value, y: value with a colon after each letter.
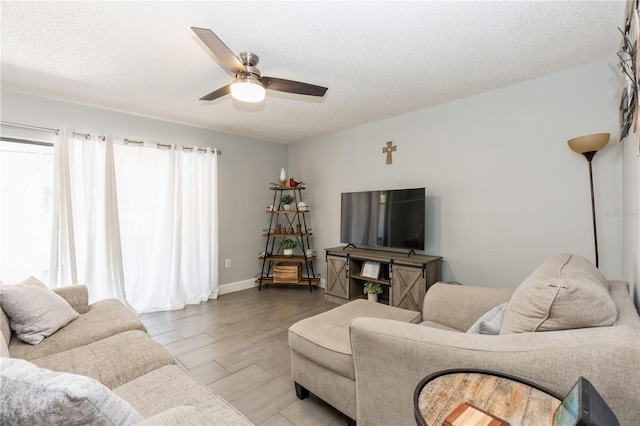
x: 227, y: 263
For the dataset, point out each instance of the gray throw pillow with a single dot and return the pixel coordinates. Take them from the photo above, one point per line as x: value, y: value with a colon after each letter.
x: 34, y: 311
x: 35, y: 396
x: 563, y: 293
x: 491, y: 322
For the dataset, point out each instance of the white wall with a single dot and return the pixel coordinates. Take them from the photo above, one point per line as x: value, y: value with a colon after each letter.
x: 630, y: 215
x: 246, y: 167
x: 505, y: 191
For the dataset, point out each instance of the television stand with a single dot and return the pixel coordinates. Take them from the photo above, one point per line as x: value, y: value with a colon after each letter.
x: 404, y: 279
x: 412, y: 251
x: 349, y: 245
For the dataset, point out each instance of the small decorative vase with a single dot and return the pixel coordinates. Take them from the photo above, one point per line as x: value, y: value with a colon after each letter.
x: 289, y: 252
x: 286, y: 206
x: 372, y: 297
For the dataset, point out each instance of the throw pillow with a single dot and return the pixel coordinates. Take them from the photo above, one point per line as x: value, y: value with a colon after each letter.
x: 491, y: 322
x: 564, y: 292
x: 35, y: 396
x: 34, y: 311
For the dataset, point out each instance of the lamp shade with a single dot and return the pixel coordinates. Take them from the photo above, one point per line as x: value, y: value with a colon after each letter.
x: 247, y: 89
x: 589, y: 143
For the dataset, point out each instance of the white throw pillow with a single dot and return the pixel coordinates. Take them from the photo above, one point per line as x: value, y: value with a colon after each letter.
x: 35, y: 396
x: 34, y: 311
x: 491, y: 322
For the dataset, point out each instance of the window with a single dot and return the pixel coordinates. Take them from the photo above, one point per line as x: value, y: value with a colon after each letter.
x: 26, y: 196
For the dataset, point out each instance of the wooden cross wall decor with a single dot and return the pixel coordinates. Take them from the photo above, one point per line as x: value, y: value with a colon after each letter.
x: 388, y: 150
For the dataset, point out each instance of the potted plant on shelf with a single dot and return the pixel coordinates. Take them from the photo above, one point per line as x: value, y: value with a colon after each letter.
x: 372, y: 290
x: 288, y: 245
x: 286, y: 201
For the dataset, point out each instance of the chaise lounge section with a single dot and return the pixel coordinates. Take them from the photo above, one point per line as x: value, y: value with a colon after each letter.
x: 560, y: 299
x: 321, y: 357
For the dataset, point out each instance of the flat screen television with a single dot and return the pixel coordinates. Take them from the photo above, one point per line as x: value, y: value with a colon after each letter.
x: 389, y: 218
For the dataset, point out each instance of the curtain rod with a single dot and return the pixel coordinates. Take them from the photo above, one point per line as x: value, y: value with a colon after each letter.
x: 169, y: 146
x: 86, y: 135
x: 27, y: 126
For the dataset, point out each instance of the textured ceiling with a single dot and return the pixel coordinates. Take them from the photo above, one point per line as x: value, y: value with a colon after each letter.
x: 378, y: 59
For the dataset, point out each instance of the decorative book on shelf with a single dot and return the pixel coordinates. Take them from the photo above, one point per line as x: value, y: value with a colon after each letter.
x: 466, y: 414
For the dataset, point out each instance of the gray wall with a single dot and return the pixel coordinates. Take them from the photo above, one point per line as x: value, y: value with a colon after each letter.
x: 246, y: 167
x: 505, y: 191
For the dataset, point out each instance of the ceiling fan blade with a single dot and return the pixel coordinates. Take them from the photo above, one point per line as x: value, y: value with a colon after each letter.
x: 217, y: 93
x: 229, y: 61
x: 290, y: 86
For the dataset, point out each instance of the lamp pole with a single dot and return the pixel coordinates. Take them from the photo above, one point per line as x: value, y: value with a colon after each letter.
x: 589, y: 156
x: 588, y: 145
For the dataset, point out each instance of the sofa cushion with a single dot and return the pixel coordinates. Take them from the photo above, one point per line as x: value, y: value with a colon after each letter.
x: 325, y: 339
x: 564, y: 292
x: 105, y: 318
x: 439, y: 326
x: 216, y: 411
x: 76, y: 295
x: 4, y: 326
x: 34, y: 311
x: 35, y: 396
x: 4, y: 349
x: 112, y: 361
x: 491, y: 322
x: 169, y: 387
x: 471, y: 303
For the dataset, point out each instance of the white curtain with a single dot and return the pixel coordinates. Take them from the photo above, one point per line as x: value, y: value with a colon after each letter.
x: 85, y: 247
x: 135, y: 223
x: 168, y: 211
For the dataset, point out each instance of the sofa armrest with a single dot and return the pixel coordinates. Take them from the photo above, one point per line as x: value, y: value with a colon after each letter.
x: 391, y: 357
x: 459, y: 306
x: 76, y: 295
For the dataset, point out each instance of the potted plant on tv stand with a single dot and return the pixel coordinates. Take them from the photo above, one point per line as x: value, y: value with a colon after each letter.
x: 288, y: 245
x: 372, y: 290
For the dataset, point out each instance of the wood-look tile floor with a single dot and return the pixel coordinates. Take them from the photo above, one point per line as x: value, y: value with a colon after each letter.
x: 237, y: 345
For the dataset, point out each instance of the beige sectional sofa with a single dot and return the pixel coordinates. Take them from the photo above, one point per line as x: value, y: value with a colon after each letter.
x: 564, y: 321
x: 107, y: 343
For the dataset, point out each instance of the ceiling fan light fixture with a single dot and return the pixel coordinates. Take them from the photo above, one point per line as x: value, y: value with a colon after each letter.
x: 247, y: 89
x: 248, y: 84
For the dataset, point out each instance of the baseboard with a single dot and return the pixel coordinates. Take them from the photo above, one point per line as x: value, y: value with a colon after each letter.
x: 237, y: 286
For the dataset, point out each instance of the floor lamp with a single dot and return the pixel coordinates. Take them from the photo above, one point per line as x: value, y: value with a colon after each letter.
x: 588, y: 146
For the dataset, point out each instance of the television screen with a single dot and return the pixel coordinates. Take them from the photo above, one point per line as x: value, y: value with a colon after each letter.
x: 392, y: 218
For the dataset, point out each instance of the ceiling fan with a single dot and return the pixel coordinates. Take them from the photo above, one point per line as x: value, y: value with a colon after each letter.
x: 248, y: 84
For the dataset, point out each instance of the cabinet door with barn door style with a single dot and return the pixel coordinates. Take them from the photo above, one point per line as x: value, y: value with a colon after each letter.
x: 337, y: 281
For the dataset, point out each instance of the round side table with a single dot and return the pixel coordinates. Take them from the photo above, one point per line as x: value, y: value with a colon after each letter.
x: 511, y: 399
